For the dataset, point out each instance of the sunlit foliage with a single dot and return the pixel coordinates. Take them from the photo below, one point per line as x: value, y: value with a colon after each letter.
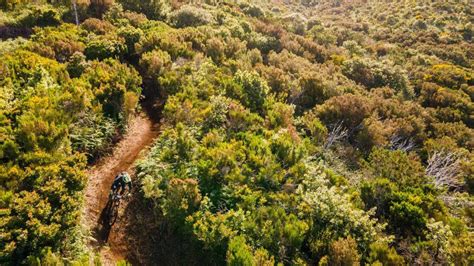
x: 294, y: 132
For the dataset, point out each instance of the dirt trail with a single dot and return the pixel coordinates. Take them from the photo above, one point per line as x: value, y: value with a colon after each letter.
x: 141, y: 133
x: 140, y: 235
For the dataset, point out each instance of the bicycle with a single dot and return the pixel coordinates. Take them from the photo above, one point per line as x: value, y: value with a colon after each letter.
x: 113, y: 208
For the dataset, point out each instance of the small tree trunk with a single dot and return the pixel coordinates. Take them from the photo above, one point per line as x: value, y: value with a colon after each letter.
x: 74, y: 6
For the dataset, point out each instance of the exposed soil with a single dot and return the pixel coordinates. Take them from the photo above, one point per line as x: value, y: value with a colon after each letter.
x: 112, y: 244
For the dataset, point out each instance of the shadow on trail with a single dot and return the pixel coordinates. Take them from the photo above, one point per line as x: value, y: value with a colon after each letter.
x: 103, y: 231
x: 107, y: 219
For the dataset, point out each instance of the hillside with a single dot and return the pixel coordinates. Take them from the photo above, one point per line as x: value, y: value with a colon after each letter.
x: 329, y: 132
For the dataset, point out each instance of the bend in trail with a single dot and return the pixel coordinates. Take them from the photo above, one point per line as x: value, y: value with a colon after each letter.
x: 115, y: 245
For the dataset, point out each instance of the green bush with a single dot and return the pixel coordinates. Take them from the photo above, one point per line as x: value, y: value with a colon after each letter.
x: 375, y: 75
x: 380, y: 253
x: 239, y: 252
x: 251, y: 90
x: 189, y: 16
x: 105, y: 47
x: 111, y: 81
x: 154, y: 64
x: 40, y: 16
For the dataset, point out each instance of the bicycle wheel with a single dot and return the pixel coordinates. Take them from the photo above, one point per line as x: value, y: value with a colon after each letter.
x: 114, y: 211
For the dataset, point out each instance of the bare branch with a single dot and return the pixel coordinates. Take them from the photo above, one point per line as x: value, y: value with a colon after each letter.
x: 398, y: 142
x: 338, y: 133
x: 444, y: 167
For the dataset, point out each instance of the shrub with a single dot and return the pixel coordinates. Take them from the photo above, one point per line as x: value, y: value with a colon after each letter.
x: 154, y: 63
x: 344, y: 252
x: 182, y: 199
x: 189, y: 16
x: 59, y: 43
x: 349, y: 109
x: 334, y: 216
x: 452, y: 105
x: 314, y: 128
x: 77, y: 65
x: 314, y: 90
x: 273, y: 229
x: 105, y: 47
x: 281, y: 115
x: 167, y: 40
x: 406, y: 208
x: 111, y: 81
x: 40, y: 16
x: 373, y: 74
x: 380, y: 253
x: 449, y: 76
x: 253, y: 11
x: 153, y: 9
x: 12, y: 4
x: 92, y: 134
x: 215, y: 49
x: 239, y: 253
x: 99, y: 7
x: 262, y: 42
x: 398, y: 166
x: 131, y: 36
x: 97, y: 26
x: 251, y: 90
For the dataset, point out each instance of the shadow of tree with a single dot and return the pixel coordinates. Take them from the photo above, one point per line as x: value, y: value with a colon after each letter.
x: 155, y: 242
x: 7, y: 32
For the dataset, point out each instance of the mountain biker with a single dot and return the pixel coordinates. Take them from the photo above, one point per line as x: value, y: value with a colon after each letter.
x: 121, y: 181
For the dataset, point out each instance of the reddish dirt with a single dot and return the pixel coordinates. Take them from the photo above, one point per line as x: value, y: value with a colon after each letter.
x: 114, y: 245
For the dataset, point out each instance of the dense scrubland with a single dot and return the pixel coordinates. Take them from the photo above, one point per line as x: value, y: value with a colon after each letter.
x: 312, y: 132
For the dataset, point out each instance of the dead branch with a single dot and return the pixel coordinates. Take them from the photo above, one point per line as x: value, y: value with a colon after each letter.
x: 444, y: 167
x: 398, y: 142
x: 338, y: 133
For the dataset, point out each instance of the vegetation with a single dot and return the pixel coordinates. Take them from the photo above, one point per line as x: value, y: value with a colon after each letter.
x: 310, y: 132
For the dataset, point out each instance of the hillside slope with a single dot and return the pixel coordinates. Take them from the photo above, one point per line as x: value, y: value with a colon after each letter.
x: 291, y: 132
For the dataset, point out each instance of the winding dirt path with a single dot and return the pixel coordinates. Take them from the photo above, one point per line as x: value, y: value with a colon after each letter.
x: 114, y: 245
